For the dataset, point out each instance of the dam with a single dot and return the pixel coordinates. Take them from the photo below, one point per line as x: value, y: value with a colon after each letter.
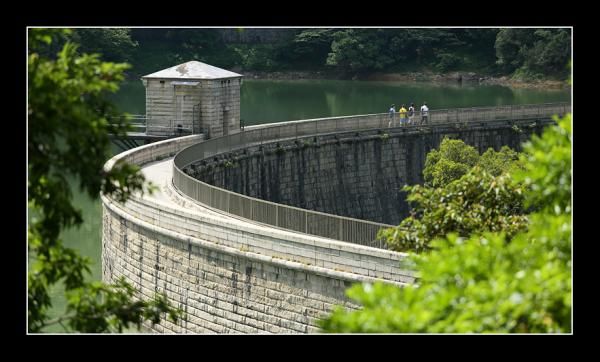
x: 240, y: 264
x: 262, y: 229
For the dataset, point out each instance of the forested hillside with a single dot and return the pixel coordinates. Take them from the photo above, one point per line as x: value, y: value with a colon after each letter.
x: 526, y: 54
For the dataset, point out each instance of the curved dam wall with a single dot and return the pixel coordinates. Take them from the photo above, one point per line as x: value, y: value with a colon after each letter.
x: 227, y: 274
x: 358, y: 175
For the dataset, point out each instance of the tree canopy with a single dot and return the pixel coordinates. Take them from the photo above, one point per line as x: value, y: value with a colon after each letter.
x: 528, y: 53
x: 533, y: 52
x: 454, y: 158
x: 463, y: 193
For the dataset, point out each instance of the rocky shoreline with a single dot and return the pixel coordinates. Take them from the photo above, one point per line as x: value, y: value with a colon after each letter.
x: 469, y: 78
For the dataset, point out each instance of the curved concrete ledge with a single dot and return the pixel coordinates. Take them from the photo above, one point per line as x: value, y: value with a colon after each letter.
x: 217, y: 246
x: 230, y: 275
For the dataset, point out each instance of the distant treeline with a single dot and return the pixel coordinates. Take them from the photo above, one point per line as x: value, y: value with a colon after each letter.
x: 524, y: 53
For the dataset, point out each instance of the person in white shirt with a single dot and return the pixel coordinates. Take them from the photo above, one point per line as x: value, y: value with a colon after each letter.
x: 411, y: 113
x: 392, y: 112
x: 424, y: 112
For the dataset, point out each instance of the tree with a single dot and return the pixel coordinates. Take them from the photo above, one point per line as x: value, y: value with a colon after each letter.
x: 68, y: 134
x: 533, y: 52
x: 476, y: 202
x: 546, y: 169
x: 358, y: 50
x: 512, y: 46
x: 463, y: 193
x: 454, y: 159
x: 504, y: 161
x: 487, y: 283
x: 312, y: 46
x: 115, y: 44
x: 550, y: 52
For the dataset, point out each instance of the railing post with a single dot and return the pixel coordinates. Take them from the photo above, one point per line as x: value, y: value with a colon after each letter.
x: 228, y: 202
x: 305, y: 222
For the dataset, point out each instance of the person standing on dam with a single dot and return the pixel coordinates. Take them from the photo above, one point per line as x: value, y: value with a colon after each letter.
x: 424, y: 113
x: 392, y: 113
x: 403, y: 118
x: 411, y: 113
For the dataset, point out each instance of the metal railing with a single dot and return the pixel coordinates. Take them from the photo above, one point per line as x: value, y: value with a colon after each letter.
x: 139, y: 124
x: 136, y: 121
x: 313, y: 222
x: 175, y: 128
x: 287, y: 217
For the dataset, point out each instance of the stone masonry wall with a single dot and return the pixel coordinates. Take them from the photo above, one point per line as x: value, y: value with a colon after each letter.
x: 212, y: 105
x: 354, y: 175
x: 220, y: 292
x: 230, y: 275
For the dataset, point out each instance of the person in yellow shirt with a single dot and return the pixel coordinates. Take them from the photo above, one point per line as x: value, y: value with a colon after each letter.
x: 403, y: 118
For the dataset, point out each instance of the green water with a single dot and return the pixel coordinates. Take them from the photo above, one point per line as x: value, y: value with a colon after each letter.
x: 266, y: 101
x: 273, y: 101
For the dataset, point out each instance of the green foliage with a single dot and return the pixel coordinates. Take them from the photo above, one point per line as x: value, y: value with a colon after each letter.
x: 487, y: 283
x: 48, y: 42
x: 511, y: 47
x: 447, y: 61
x: 533, y: 52
x: 547, y: 168
x: 97, y: 307
x: 475, y: 203
x: 115, y: 44
x: 68, y: 131
x: 258, y: 57
x: 193, y: 39
x: 478, y: 285
x: 504, y: 161
x: 312, y: 46
x: 359, y: 50
x: 454, y: 159
x: 528, y: 53
x: 551, y: 52
x: 229, y: 164
x: 463, y: 193
x: 204, y: 45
